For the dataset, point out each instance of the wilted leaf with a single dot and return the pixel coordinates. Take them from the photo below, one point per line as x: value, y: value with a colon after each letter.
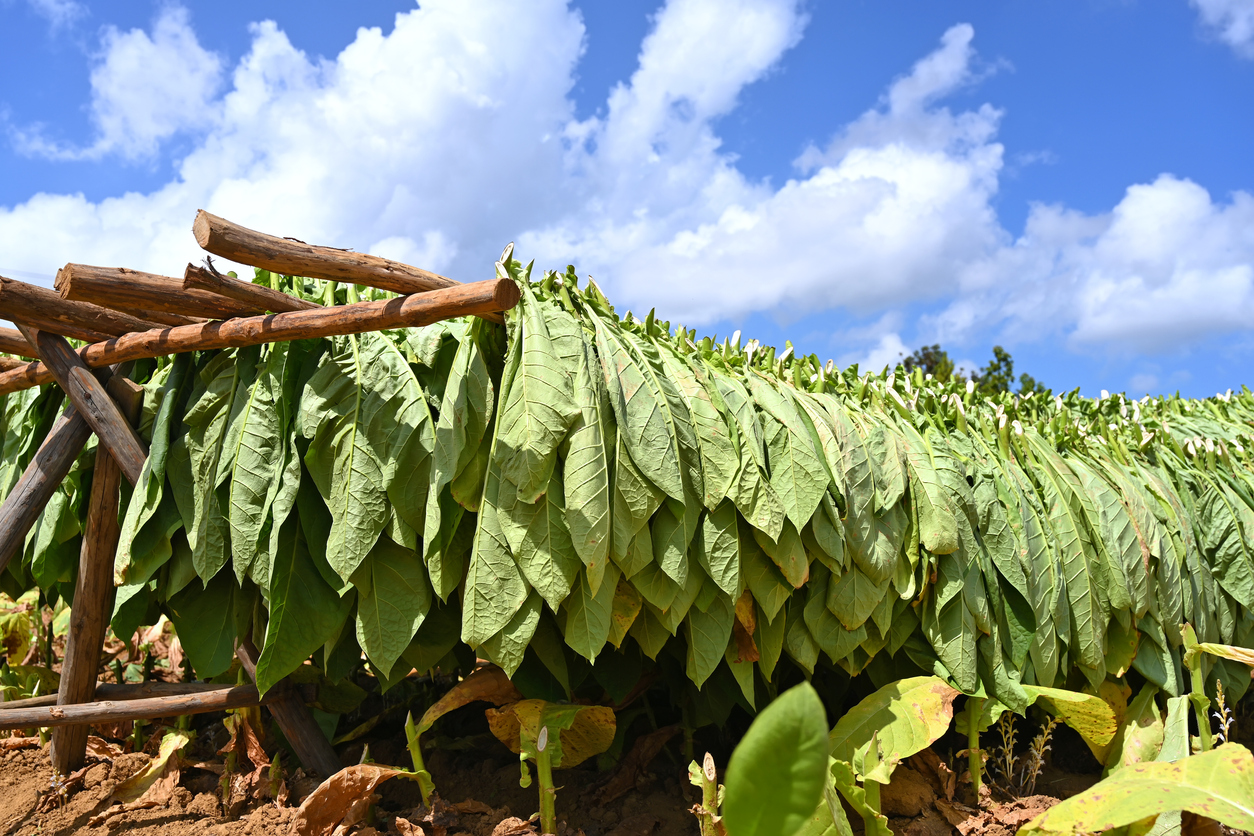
x: 906, y: 717
x: 1218, y: 785
x: 575, y: 732
x: 487, y: 684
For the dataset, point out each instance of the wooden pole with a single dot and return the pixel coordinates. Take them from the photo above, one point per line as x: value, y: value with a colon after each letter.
x: 403, y: 312
x: 8, y: 364
x: 124, y: 691
x: 118, y: 287
x: 296, y: 258
x: 298, y: 725
x: 12, y: 342
x: 254, y: 295
x: 93, y: 593
x: 240, y: 696
x: 90, y: 399
x: 43, y: 309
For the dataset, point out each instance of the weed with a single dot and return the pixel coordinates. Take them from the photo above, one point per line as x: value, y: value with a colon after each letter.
x: 1017, y: 774
x: 1224, y: 715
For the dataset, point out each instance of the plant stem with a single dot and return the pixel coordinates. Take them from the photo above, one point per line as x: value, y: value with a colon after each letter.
x: 709, y: 795
x: 872, y: 790
x: 1197, y: 696
x: 548, y: 794
x: 975, y: 763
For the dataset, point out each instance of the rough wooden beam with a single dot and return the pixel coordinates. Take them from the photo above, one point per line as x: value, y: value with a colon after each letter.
x: 8, y: 364
x: 403, y: 312
x: 296, y: 258
x: 42, y: 308
x: 267, y: 299
x: 299, y: 727
x: 12, y: 342
x: 124, y: 691
x: 240, y: 696
x: 93, y: 590
x: 118, y: 287
x: 92, y: 401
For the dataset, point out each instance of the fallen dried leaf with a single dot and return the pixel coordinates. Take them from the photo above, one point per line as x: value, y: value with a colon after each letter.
x: 337, y: 798
x: 473, y: 807
x: 11, y: 743
x: 513, y: 826
x: 98, y: 747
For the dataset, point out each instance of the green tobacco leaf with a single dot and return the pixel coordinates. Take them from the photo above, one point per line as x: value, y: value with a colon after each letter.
x: 539, y: 406
x: 720, y: 454
x: 371, y: 438
x: 798, y: 472
x: 1217, y: 785
x: 205, y: 621
x: 393, y: 597
x: 586, y: 473
x: 226, y: 381
x: 465, y: 416
x: 305, y: 611
x: 546, y: 554
x: 708, y: 633
x: 938, y: 529
x: 777, y: 773
x: 587, y: 616
x: 906, y: 717
x: 256, y: 456
x: 719, y: 549
x: 144, y: 529
x: 645, y: 420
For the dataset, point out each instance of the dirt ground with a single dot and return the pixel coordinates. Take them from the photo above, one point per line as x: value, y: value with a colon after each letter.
x: 482, y: 797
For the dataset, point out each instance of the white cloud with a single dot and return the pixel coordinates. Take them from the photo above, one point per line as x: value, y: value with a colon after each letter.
x: 58, y: 13
x: 1232, y: 21
x: 445, y: 138
x: 145, y: 88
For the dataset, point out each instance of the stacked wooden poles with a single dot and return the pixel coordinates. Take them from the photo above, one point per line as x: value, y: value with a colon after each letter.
x: 479, y: 298
x: 296, y: 258
x: 93, y: 593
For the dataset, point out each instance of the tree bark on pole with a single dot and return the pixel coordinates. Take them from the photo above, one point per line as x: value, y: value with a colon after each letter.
x: 296, y: 258
x: 241, y: 696
x: 265, y: 298
x: 93, y: 598
x: 92, y: 401
x: 131, y: 290
x: 44, y: 309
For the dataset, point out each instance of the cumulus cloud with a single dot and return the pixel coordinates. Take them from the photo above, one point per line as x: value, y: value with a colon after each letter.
x: 145, y: 88
x: 1232, y: 21
x: 438, y: 142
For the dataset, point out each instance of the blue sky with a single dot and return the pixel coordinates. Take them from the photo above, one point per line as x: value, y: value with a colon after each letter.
x: 1071, y: 180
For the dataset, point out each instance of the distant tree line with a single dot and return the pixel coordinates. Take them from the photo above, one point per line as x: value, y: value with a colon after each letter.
x: 997, y: 376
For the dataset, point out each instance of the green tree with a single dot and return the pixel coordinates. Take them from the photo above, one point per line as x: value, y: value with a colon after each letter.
x: 931, y: 359
x: 999, y: 375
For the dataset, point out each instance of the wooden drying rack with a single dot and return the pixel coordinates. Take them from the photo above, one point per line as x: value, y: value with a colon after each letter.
x: 126, y: 315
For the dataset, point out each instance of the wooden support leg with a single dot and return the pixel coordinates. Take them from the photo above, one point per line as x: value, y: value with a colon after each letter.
x: 44, y: 474
x: 293, y: 717
x: 89, y: 397
x: 93, y: 599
